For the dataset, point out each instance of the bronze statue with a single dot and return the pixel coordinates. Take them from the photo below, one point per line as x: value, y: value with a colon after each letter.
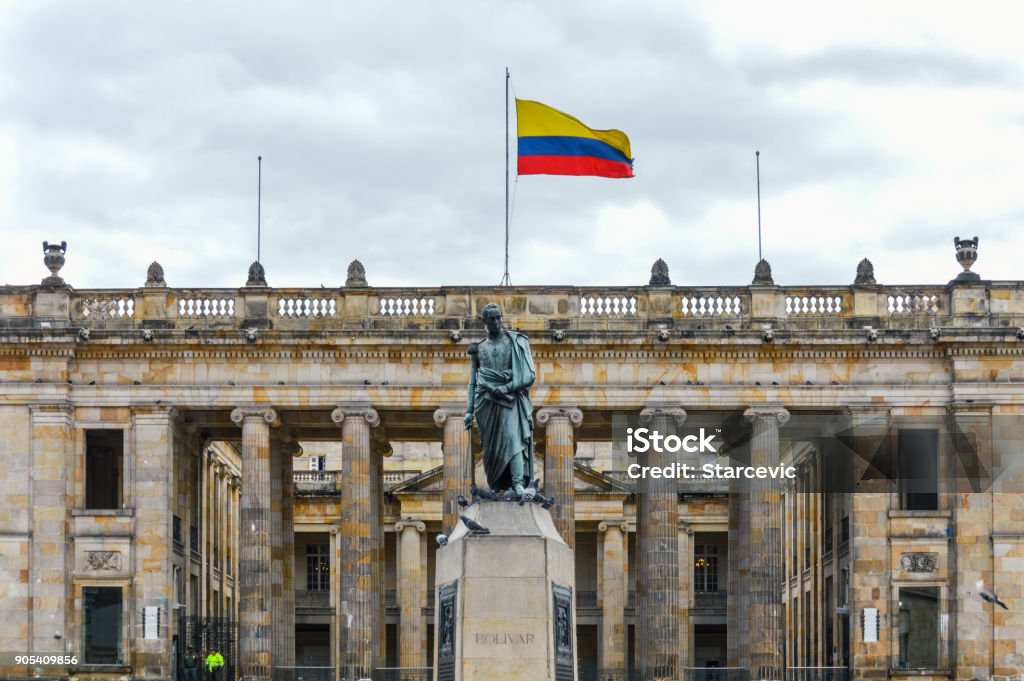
x: 501, y: 373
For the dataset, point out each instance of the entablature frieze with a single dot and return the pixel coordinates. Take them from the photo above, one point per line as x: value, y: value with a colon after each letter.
x: 562, y: 353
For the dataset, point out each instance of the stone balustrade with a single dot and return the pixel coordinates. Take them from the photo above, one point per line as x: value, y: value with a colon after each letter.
x: 692, y: 310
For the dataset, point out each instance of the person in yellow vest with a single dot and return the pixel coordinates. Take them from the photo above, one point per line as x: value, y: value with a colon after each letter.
x: 214, y: 664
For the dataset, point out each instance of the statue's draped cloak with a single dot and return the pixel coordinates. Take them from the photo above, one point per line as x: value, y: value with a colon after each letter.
x: 506, y: 425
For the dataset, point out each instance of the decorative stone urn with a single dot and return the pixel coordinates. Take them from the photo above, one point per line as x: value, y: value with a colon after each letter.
x: 966, y: 255
x: 53, y: 258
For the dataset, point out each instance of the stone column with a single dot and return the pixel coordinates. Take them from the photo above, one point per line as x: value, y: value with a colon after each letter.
x: 613, y: 595
x: 255, y: 631
x: 277, y: 583
x: 685, y: 535
x: 458, y: 462
x: 870, y: 547
x: 657, y: 553
x: 290, y: 449
x: 410, y: 592
x: 48, y: 584
x: 765, y: 546
x: 559, y: 451
x: 361, y: 588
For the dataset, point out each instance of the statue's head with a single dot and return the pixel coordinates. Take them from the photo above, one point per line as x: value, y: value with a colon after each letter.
x: 491, y: 315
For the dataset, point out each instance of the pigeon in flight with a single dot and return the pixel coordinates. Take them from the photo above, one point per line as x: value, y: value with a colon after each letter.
x: 990, y: 597
x: 474, y: 526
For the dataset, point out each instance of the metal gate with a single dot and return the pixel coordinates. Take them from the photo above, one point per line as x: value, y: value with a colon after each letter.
x: 205, y: 634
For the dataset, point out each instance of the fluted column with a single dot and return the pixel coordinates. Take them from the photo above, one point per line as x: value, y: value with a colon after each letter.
x: 277, y: 550
x: 290, y: 449
x: 765, y: 545
x: 255, y: 597
x: 559, y: 451
x: 458, y: 462
x: 685, y: 535
x: 657, y: 553
x: 361, y: 587
x: 613, y: 595
x: 410, y: 592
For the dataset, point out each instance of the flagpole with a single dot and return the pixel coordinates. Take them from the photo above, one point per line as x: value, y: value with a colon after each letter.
x: 259, y: 193
x: 506, y: 280
x: 757, y: 158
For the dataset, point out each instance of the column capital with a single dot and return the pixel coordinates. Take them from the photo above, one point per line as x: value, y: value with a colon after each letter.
x: 772, y: 413
x: 443, y: 413
x: 411, y: 523
x: 268, y: 414
x: 546, y: 414
x: 619, y: 524
x: 677, y: 414
x: 355, y: 411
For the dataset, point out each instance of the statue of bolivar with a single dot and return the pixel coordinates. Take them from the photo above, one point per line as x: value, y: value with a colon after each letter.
x: 501, y: 374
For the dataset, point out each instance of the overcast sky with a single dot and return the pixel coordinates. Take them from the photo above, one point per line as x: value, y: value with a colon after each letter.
x: 131, y: 130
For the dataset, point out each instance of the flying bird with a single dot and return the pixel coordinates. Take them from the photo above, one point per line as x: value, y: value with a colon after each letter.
x: 474, y: 526
x: 442, y: 540
x: 990, y: 597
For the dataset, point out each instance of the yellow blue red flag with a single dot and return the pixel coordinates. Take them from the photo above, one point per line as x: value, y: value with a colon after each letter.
x: 554, y: 143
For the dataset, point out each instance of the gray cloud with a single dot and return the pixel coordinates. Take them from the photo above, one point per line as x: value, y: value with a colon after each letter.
x: 133, y: 133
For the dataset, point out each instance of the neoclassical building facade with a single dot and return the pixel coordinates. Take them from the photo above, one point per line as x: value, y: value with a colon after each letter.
x: 265, y: 470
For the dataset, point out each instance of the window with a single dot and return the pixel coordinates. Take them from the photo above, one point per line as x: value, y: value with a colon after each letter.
x: 918, y: 627
x: 101, y: 613
x: 318, y: 567
x: 104, y: 463
x: 918, y: 469
x: 705, y: 568
x: 317, y: 463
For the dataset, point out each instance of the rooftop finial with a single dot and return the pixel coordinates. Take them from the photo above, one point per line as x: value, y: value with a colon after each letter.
x: 763, y: 274
x: 966, y: 255
x: 865, y: 273
x: 155, y: 275
x: 356, y: 274
x: 257, y: 275
x: 659, y: 274
x: 53, y: 258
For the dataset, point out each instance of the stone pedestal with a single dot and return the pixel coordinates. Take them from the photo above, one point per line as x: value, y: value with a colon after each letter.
x: 505, y: 601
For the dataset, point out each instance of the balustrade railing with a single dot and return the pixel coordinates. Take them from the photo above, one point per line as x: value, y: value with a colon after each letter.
x: 730, y: 309
x: 710, y: 600
x: 210, y: 305
x: 313, y: 599
x: 914, y: 302
x: 103, y: 306
x: 614, y: 304
x: 317, y: 482
x: 714, y: 303
x: 586, y: 599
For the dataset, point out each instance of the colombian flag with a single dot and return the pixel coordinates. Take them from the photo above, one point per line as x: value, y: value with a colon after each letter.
x: 555, y: 143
